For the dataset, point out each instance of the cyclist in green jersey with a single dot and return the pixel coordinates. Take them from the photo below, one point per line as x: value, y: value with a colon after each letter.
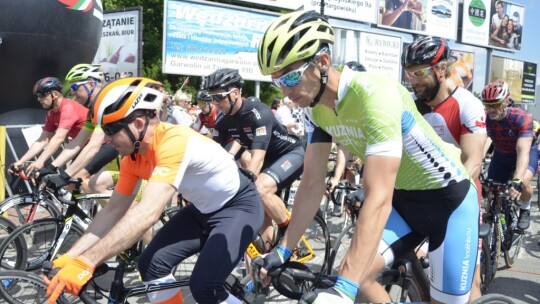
x: 415, y: 184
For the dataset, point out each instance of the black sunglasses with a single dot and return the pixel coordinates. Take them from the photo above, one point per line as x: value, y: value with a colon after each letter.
x: 113, y: 128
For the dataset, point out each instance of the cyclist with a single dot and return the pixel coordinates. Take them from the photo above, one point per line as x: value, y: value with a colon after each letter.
x: 410, y: 173
x: 65, y: 118
x: 277, y: 158
x: 88, y: 149
x: 515, y: 157
x: 222, y: 219
x: 206, y: 119
x: 457, y: 116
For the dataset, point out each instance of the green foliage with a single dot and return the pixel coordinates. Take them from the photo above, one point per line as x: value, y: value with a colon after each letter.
x: 153, y: 48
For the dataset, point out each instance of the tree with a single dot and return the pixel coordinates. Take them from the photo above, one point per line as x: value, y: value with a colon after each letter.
x: 153, y: 47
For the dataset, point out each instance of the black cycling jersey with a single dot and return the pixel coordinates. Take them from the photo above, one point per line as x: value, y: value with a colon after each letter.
x: 255, y: 127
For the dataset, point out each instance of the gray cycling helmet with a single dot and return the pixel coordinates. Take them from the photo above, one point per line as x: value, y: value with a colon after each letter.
x: 223, y: 79
x: 204, y: 96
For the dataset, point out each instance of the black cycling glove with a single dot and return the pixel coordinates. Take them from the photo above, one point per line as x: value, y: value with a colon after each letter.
x: 56, y: 181
x: 48, y: 169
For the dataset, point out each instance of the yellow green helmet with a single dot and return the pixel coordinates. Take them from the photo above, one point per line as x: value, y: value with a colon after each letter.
x: 292, y: 37
x: 83, y: 71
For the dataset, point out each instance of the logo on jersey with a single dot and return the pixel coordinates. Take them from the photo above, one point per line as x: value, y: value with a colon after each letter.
x: 247, y: 129
x: 257, y: 114
x: 161, y: 171
x: 286, y: 165
x: 260, y: 131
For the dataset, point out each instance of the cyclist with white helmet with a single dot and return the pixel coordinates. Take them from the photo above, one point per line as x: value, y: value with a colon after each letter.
x: 65, y: 118
x: 415, y: 185
x: 224, y: 215
x: 515, y: 157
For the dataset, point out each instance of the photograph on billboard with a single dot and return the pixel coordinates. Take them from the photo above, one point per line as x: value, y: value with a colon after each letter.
x: 119, y: 52
x: 520, y: 76
x: 461, y: 75
x: 199, y: 38
x: 354, y: 10
x: 425, y: 17
x: 493, y: 23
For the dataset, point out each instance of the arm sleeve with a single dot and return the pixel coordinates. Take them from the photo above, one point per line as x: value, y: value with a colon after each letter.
x: 262, y: 129
x: 473, y: 117
x: 127, y: 180
x: 526, y: 128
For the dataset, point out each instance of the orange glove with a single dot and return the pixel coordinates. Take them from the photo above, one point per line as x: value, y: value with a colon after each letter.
x: 60, y: 262
x: 72, y: 278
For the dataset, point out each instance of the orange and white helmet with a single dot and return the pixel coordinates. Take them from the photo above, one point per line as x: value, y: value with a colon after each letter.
x: 122, y: 97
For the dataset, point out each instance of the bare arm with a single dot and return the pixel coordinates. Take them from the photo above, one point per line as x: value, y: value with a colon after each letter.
x: 391, y: 16
x: 102, y: 223
x: 256, y: 162
x: 36, y: 147
x: 523, y: 147
x: 380, y: 177
x: 339, y: 169
x: 133, y: 224
x: 472, y: 146
x: 72, y: 148
x: 54, y: 143
x: 87, y: 153
x: 309, y: 193
x: 486, y: 146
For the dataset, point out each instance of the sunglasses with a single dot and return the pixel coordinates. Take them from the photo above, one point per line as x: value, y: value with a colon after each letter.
x: 492, y: 103
x: 292, y: 78
x: 420, y: 72
x: 113, y: 128
x: 76, y: 85
x: 42, y: 95
x: 218, y: 97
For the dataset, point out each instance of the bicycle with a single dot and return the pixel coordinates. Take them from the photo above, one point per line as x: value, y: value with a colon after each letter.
x: 404, y: 281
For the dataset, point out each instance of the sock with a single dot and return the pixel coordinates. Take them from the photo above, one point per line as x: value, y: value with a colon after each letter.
x: 284, y: 224
x: 525, y: 205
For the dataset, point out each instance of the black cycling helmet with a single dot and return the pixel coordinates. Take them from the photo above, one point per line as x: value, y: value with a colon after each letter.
x: 223, y: 79
x: 426, y: 50
x: 204, y: 96
x: 47, y: 84
x: 356, y: 66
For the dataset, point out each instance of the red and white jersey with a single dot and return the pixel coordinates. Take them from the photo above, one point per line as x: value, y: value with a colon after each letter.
x: 461, y: 113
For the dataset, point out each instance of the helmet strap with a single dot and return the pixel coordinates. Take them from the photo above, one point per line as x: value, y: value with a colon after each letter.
x: 54, y: 99
x: 322, y: 87
x: 89, y: 93
x: 231, y: 102
x: 136, y: 142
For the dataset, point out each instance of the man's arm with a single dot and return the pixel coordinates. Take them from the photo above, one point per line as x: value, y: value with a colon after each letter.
x: 36, y: 147
x: 487, y: 144
x: 390, y: 17
x: 102, y: 223
x: 87, y: 153
x: 309, y: 193
x: 339, y: 169
x: 256, y: 162
x: 523, y: 148
x: 380, y: 174
x: 73, y: 148
x: 133, y: 224
x: 54, y: 143
x: 472, y: 147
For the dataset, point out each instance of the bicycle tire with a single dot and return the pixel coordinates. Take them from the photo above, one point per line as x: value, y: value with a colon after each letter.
x: 318, y: 238
x: 20, y: 287
x: 511, y: 251
x: 493, y: 298
x: 491, y: 250
x: 39, y: 238
x: 17, y: 208
x: 338, y: 251
x: 6, y: 229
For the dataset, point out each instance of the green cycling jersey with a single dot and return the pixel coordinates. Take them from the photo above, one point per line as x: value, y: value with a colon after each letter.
x: 375, y: 115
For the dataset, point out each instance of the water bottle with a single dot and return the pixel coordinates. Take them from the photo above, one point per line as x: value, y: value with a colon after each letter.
x: 259, y: 244
x: 502, y: 219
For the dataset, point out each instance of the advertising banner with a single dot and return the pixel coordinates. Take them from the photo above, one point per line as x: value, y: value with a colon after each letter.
x: 381, y: 53
x: 461, y: 75
x: 520, y: 76
x: 286, y: 4
x: 355, y: 10
x: 200, y: 38
x: 425, y: 17
x: 493, y: 23
x: 120, y: 49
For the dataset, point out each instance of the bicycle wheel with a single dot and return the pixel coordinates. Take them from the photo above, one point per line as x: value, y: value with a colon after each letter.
x: 341, y: 246
x: 513, y: 240
x: 37, y: 239
x: 20, y: 287
x: 493, y: 298
x: 18, y: 207
x: 314, y: 247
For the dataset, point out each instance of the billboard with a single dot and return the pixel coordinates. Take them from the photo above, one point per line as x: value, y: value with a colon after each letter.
x: 493, y: 23
x: 381, y: 53
x: 425, y: 17
x: 285, y: 4
x: 355, y: 10
x: 120, y: 49
x: 200, y: 38
x: 520, y: 76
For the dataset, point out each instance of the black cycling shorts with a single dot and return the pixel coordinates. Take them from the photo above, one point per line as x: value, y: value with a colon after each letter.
x: 286, y: 169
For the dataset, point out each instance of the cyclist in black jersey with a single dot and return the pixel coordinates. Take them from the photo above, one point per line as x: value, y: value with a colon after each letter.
x: 277, y: 158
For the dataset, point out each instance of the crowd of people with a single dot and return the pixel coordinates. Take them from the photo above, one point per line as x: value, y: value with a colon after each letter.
x: 228, y: 155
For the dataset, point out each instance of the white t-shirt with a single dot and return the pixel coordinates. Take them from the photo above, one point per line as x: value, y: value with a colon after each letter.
x: 284, y: 115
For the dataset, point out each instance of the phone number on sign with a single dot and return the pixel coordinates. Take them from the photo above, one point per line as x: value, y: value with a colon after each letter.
x: 114, y: 76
